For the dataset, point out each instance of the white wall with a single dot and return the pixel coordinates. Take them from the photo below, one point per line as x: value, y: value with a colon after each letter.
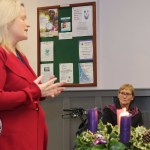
x: 30, y: 46
x: 123, y: 41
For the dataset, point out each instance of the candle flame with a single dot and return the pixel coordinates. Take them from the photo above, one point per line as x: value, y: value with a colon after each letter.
x: 124, y: 113
x: 121, y: 112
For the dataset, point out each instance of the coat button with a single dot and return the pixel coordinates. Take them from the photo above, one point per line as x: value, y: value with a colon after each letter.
x: 1, y: 127
x: 36, y: 108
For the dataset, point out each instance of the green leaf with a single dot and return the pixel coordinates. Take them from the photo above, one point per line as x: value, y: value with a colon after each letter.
x: 115, y: 145
x: 99, y: 147
x: 111, y: 134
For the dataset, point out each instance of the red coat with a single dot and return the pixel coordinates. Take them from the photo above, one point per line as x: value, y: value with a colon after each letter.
x: 22, y: 122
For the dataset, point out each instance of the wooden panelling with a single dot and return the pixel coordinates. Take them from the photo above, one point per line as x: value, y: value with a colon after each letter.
x: 62, y: 132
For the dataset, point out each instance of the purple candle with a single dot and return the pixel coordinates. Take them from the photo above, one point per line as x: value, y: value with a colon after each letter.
x: 125, y: 127
x: 92, y: 119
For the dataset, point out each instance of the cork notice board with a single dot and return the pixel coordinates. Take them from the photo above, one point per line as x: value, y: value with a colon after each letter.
x: 67, y: 43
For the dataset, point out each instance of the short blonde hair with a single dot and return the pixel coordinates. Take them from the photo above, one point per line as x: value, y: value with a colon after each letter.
x: 128, y: 87
x: 9, y: 10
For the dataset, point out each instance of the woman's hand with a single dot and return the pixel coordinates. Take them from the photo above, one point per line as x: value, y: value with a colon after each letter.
x: 49, y: 88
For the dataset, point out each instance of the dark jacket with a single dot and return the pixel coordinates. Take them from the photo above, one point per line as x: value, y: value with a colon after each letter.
x: 110, y: 114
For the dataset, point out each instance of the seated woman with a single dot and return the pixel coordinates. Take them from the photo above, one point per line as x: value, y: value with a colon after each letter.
x: 125, y: 100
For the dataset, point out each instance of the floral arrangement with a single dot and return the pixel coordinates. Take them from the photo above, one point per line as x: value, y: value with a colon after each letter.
x: 107, y: 138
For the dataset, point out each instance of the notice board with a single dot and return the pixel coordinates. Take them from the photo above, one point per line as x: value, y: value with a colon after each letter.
x: 67, y: 43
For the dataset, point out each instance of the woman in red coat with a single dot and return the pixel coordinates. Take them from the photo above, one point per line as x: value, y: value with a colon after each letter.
x: 22, y: 122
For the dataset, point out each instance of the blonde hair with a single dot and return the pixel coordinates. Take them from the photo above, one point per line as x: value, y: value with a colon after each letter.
x: 128, y: 87
x: 9, y: 10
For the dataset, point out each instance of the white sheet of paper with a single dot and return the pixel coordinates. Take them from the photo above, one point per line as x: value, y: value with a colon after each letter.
x: 47, y: 50
x: 82, y: 21
x: 66, y: 72
x: 47, y: 70
x: 65, y: 35
x: 86, y: 50
x: 86, y: 73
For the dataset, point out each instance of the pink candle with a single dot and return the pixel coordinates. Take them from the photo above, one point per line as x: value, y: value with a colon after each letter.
x: 118, y: 116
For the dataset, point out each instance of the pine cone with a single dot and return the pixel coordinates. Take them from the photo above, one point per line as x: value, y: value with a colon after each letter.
x: 146, y: 136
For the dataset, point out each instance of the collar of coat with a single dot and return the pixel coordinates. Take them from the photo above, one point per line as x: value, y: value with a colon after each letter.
x: 15, y: 65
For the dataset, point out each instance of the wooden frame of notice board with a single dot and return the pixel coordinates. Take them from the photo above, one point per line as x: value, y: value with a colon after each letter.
x: 67, y: 43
